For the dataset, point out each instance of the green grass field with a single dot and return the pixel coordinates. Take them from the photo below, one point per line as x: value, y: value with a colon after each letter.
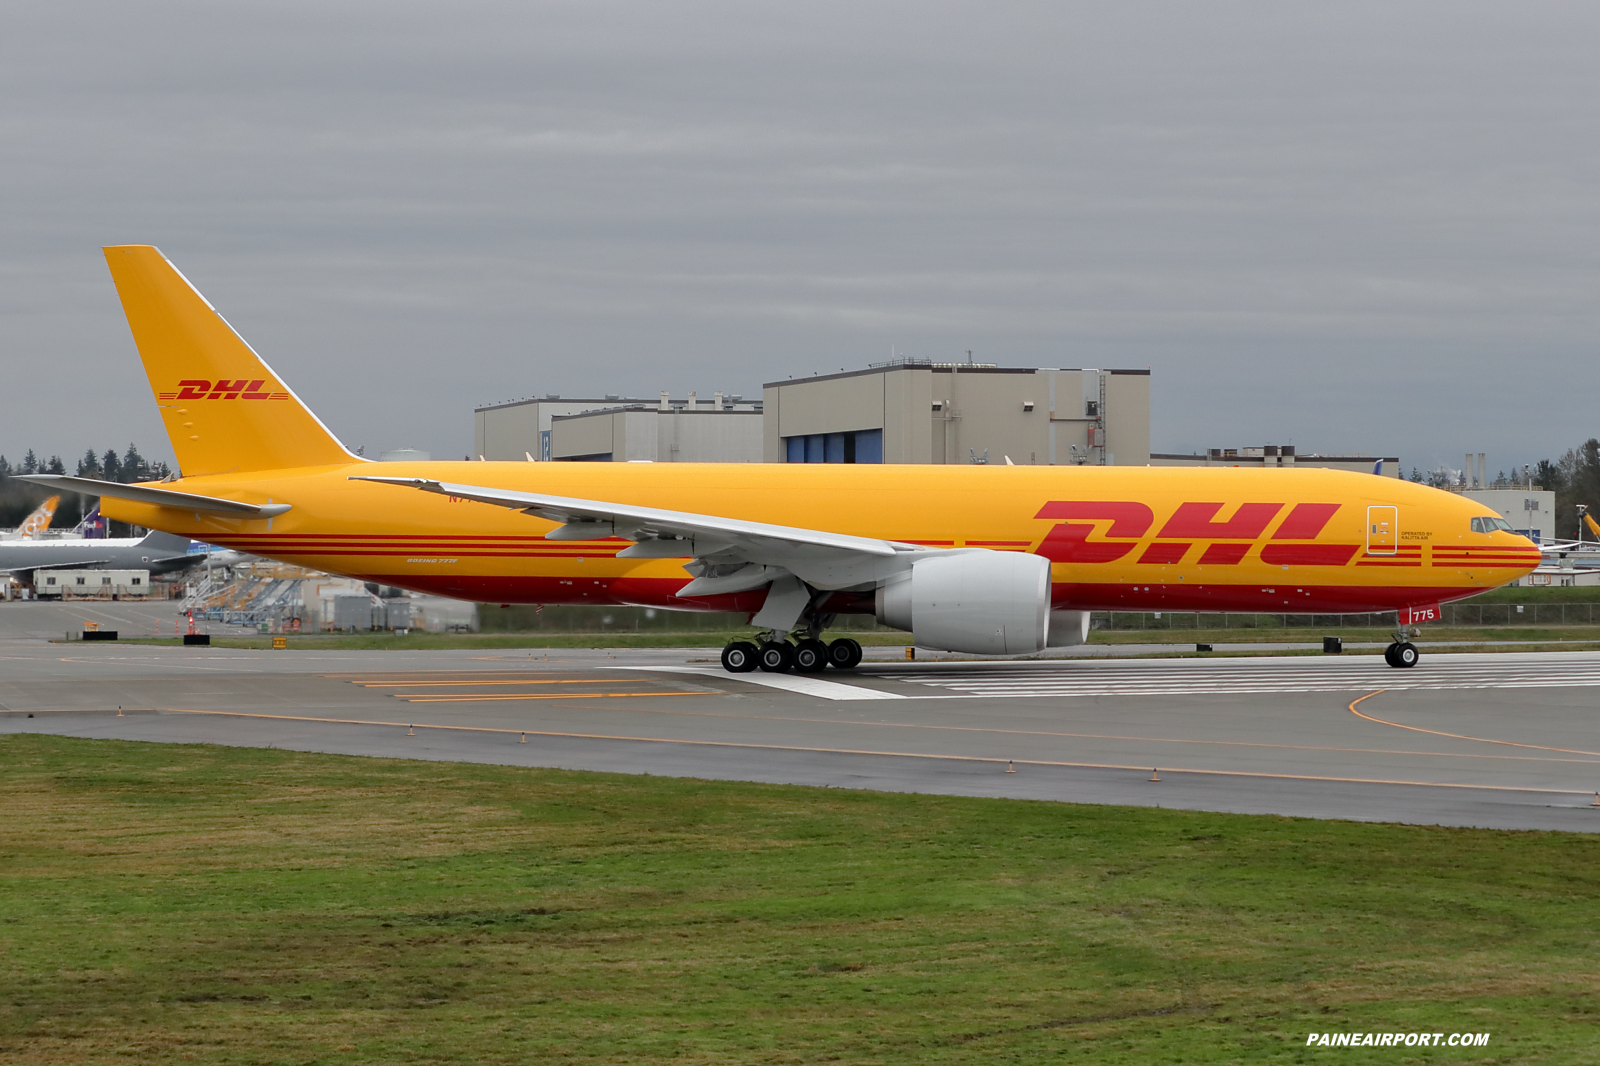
x: 184, y: 903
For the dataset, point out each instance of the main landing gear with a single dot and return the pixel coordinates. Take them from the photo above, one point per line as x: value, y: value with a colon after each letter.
x: 809, y: 655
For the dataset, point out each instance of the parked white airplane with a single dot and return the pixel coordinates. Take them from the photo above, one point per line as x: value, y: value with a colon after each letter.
x: 159, y: 553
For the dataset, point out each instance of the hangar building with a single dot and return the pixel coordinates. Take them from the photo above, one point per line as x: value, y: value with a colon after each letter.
x: 1278, y: 455
x: 912, y: 411
x: 523, y: 429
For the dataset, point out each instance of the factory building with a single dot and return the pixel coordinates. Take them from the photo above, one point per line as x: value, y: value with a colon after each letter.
x: 911, y: 411
x: 670, y: 432
x: 522, y: 429
x: 1531, y: 512
x: 1279, y: 455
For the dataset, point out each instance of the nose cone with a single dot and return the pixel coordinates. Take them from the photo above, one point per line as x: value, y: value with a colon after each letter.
x: 1495, y: 555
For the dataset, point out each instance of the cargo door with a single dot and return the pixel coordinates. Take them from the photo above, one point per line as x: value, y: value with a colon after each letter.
x: 1383, y: 522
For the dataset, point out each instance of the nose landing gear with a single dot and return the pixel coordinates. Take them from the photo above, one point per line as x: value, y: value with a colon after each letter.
x: 1402, y: 653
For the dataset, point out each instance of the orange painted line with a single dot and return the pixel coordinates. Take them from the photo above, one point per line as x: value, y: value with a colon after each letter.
x: 891, y: 754
x: 1458, y: 736
x: 491, y: 698
x: 443, y: 684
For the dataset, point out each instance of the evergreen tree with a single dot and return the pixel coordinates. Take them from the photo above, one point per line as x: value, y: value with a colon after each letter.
x: 30, y: 463
x: 1416, y: 475
x: 134, y: 467
x: 55, y: 466
x: 89, y: 465
x: 5, y: 468
x: 1547, y: 475
x: 111, y: 466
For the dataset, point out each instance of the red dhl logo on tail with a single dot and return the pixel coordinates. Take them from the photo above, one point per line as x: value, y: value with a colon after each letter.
x: 1229, y: 540
x: 223, y: 389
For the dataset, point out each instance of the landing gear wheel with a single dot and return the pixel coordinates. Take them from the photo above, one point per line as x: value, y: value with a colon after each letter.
x: 1388, y: 654
x: 1405, y: 655
x: 844, y: 654
x: 776, y: 656
x: 739, y: 657
x: 810, y: 656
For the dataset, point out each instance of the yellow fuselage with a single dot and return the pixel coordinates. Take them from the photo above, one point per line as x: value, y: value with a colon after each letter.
x: 1127, y: 538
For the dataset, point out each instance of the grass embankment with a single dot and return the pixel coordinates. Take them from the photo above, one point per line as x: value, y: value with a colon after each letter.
x: 185, y: 903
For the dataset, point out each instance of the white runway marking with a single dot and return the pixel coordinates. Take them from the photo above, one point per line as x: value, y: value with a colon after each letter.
x: 805, y: 684
x: 1186, y: 677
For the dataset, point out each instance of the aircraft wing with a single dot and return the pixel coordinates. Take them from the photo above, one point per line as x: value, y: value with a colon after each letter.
x: 182, y: 501
x: 753, y: 553
x: 75, y: 564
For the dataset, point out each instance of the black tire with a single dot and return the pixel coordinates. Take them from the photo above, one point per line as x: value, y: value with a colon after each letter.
x: 1388, y: 654
x: 739, y: 657
x: 844, y: 654
x: 776, y: 656
x: 1406, y: 655
x: 810, y: 656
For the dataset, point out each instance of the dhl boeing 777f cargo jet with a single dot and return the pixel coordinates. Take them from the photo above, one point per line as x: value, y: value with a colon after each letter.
x: 988, y: 559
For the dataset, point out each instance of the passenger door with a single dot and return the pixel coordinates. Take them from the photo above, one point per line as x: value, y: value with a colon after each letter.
x: 1383, y: 521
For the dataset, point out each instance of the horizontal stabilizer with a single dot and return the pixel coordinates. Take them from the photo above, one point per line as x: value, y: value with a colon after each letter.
x: 180, y: 501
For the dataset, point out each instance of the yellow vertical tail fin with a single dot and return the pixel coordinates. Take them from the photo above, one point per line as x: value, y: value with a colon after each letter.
x: 223, y: 408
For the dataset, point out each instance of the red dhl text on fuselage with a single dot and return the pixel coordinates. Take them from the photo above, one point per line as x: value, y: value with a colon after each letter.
x: 1118, y: 537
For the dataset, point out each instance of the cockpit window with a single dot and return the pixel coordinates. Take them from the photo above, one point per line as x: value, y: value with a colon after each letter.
x: 1490, y: 525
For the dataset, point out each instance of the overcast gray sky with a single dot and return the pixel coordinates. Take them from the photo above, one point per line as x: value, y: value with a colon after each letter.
x: 1353, y: 226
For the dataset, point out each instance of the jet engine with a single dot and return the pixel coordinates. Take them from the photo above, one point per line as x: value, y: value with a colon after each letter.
x: 986, y: 602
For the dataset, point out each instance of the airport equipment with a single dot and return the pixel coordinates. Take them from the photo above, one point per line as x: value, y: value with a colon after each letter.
x: 92, y: 584
x: 968, y: 558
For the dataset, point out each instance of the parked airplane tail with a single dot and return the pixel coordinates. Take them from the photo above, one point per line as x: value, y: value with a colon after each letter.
x: 39, y: 520
x: 93, y: 526
x: 224, y: 409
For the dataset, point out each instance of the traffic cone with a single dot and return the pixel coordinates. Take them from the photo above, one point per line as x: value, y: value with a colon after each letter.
x: 1154, y: 776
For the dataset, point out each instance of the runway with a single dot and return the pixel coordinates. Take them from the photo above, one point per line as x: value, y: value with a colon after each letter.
x: 1501, y: 740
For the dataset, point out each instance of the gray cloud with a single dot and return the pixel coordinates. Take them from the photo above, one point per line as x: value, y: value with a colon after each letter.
x: 1370, y: 226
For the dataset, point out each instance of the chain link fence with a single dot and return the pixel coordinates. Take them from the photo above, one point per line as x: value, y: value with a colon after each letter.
x: 1462, y: 614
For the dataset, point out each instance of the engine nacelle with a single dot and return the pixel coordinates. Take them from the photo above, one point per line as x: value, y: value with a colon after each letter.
x: 985, y: 602
x: 1068, y: 629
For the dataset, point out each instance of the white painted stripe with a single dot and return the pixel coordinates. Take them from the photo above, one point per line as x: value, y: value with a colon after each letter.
x: 1082, y: 679
x: 804, y: 684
